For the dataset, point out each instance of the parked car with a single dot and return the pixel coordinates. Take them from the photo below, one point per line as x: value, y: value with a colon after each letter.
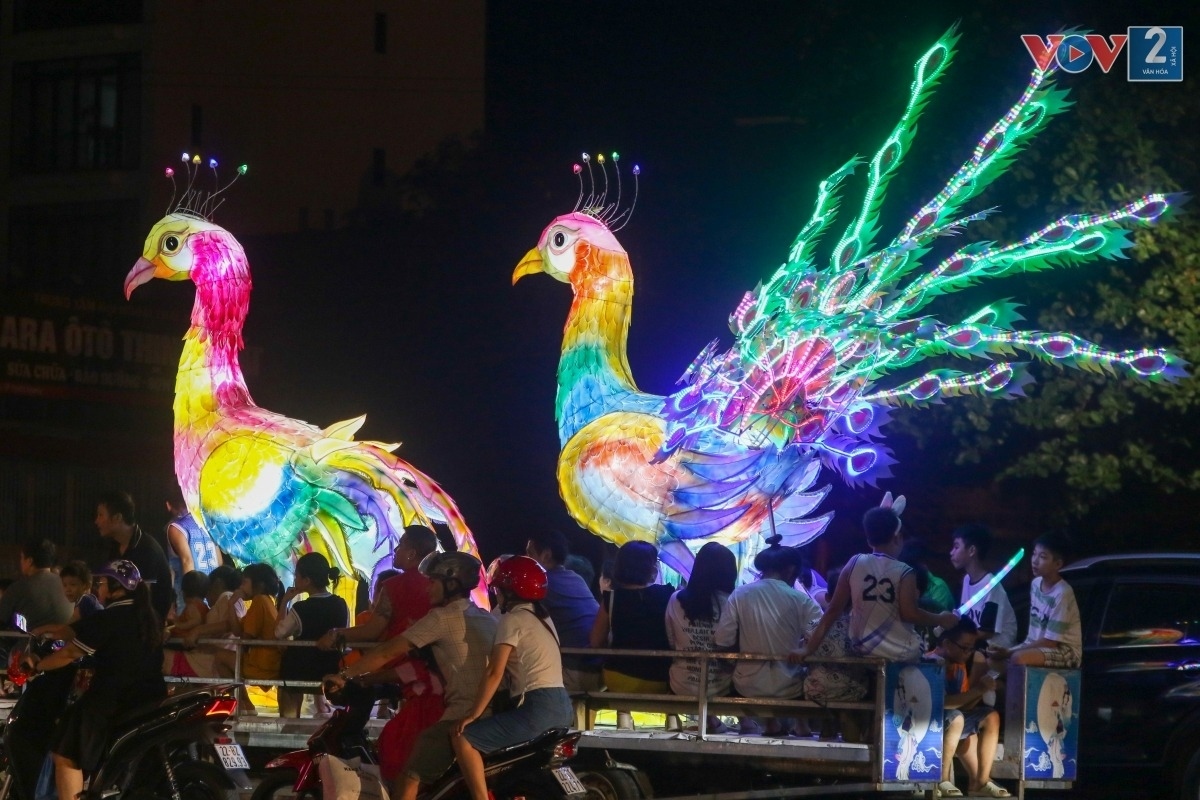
x: 1140, y: 716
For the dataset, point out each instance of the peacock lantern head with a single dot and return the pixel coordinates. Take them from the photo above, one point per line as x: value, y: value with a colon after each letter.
x: 176, y: 249
x: 572, y: 249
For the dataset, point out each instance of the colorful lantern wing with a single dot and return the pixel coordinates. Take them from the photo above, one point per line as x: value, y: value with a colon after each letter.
x: 608, y: 475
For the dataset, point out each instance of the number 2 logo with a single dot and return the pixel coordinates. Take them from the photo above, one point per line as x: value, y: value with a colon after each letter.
x: 882, y: 590
x: 1160, y: 37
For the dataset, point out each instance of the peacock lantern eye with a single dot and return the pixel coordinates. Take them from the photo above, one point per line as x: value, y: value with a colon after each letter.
x: 174, y: 253
x: 560, y: 239
x: 564, y: 249
x: 559, y: 252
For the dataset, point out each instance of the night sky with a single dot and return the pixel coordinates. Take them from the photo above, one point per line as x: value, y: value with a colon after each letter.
x: 735, y: 111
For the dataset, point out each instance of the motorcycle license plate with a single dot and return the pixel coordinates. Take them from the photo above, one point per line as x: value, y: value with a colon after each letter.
x: 568, y: 781
x: 231, y: 756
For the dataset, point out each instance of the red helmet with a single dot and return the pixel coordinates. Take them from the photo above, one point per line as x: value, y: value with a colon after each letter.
x: 522, y: 577
x: 495, y: 565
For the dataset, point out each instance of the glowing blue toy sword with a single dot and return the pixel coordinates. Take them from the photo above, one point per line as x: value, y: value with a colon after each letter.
x: 991, y: 584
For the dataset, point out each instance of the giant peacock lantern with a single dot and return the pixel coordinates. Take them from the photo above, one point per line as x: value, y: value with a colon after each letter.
x: 266, y: 487
x: 808, y: 380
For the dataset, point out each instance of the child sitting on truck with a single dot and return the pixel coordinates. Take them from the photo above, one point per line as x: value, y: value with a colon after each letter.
x: 692, y: 617
x: 1055, y: 632
x: 972, y: 729
x: 881, y: 595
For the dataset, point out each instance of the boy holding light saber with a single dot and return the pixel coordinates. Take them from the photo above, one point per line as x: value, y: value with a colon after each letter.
x: 992, y: 614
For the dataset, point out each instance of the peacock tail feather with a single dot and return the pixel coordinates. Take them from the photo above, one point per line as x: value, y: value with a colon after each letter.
x: 813, y: 345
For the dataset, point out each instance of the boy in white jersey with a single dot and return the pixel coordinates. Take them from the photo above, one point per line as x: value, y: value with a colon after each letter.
x: 993, y: 615
x: 881, y: 595
x: 1055, y: 632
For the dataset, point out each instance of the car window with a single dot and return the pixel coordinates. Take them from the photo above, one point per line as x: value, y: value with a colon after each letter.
x: 1152, y: 613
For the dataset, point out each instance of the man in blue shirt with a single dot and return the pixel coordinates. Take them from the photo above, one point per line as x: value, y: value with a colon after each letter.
x: 572, y: 607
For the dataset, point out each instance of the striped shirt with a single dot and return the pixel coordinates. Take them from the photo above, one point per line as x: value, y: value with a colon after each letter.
x: 1054, y: 615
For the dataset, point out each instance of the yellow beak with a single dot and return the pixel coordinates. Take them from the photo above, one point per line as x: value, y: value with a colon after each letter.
x: 531, y: 263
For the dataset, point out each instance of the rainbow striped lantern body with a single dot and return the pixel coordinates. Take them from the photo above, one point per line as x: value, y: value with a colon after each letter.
x: 805, y: 384
x: 268, y: 488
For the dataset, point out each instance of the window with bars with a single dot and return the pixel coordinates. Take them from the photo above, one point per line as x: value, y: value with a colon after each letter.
x: 67, y: 247
x: 46, y: 15
x: 76, y: 114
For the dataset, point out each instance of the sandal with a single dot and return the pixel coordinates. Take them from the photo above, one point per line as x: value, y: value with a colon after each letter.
x: 991, y: 789
x: 948, y: 789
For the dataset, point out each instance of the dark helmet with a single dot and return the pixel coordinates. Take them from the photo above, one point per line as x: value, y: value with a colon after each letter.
x: 123, y: 572
x: 522, y: 577
x: 462, y: 568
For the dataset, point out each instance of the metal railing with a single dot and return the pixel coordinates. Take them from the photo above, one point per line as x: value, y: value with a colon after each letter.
x: 703, y: 701
x: 872, y: 667
x: 239, y: 646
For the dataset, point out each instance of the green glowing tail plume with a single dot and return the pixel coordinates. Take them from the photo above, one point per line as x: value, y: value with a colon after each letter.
x: 812, y: 341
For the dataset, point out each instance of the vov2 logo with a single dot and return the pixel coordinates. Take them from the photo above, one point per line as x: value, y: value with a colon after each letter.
x: 1155, y: 52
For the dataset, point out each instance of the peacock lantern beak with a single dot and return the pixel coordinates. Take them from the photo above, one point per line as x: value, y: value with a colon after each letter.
x: 143, y: 271
x: 166, y: 254
x: 531, y: 263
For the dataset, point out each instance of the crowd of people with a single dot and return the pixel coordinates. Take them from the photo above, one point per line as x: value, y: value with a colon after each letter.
x: 884, y: 603
x: 470, y: 682
x: 112, y: 651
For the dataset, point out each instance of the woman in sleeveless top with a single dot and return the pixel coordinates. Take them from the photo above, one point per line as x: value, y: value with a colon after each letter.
x: 631, y: 617
x: 308, y: 620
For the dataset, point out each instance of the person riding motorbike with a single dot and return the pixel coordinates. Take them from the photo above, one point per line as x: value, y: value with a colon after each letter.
x: 126, y: 644
x: 399, y: 602
x: 460, y: 635
x: 526, y: 647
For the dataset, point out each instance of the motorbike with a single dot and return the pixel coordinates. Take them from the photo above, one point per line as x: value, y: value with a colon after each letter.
x: 536, y: 768
x: 174, y: 748
x: 16, y: 701
x: 296, y: 774
x: 6, y: 706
